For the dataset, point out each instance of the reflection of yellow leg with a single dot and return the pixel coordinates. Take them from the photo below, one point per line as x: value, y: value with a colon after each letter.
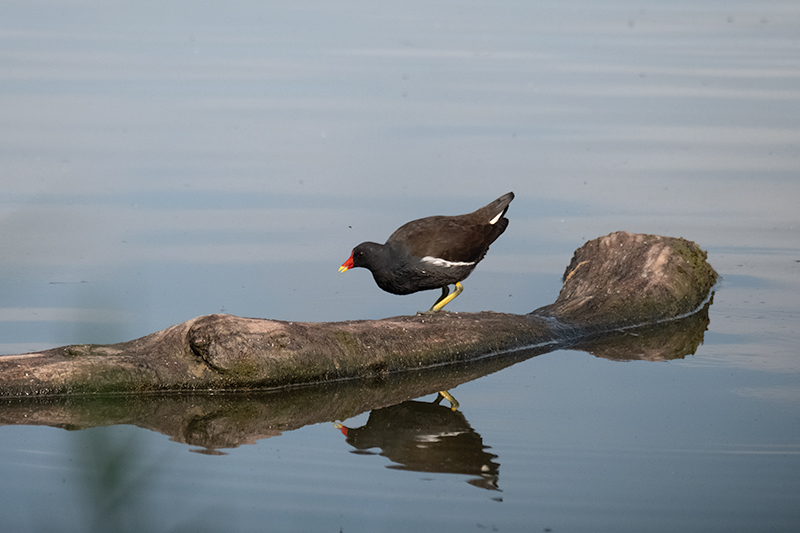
x: 446, y: 298
x: 449, y: 397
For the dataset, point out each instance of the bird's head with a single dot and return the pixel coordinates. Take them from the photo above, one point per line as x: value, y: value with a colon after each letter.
x: 361, y: 256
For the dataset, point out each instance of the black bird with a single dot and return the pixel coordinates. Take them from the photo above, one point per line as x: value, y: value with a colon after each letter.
x: 433, y: 252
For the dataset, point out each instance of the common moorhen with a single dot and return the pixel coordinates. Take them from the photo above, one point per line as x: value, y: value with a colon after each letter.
x: 433, y: 252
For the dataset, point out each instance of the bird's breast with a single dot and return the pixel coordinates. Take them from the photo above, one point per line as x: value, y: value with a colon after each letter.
x: 421, y: 274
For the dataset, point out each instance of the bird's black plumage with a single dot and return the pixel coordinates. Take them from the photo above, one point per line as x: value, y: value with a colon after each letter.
x: 432, y: 252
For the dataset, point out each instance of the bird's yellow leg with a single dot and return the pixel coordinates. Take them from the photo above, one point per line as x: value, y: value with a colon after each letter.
x: 449, y: 397
x: 446, y: 298
x: 445, y: 292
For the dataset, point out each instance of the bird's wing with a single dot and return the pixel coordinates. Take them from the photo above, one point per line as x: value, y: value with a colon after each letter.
x: 452, y: 240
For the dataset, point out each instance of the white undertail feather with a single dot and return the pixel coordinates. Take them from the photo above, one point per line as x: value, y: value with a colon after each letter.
x: 495, y: 219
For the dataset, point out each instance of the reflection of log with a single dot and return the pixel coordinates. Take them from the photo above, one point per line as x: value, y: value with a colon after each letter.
x: 215, y: 420
x: 674, y: 339
x: 613, y: 282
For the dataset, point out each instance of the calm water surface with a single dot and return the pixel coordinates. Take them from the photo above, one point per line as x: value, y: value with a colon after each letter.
x: 160, y: 162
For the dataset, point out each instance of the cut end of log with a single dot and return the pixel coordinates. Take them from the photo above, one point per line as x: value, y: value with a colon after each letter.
x: 626, y: 279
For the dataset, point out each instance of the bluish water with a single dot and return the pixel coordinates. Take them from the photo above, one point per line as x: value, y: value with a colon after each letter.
x: 160, y: 162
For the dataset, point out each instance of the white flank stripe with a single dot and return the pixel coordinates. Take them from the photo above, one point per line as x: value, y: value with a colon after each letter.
x: 495, y: 219
x: 435, y: 261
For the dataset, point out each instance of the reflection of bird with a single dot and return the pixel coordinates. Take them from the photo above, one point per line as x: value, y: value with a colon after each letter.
x: 426, y: 437
x: 433, y: 252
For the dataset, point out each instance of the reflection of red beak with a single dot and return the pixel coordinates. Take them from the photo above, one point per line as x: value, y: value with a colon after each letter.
x: 342, y: 428
x: 347, y: 265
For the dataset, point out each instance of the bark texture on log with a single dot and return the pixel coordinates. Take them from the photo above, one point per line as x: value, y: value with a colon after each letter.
x: 617, y: 281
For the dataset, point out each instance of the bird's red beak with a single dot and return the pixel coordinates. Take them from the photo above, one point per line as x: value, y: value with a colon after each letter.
x: 347, y: 265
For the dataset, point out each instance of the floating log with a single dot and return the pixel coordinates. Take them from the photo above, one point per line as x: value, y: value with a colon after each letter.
x: 614, y: 282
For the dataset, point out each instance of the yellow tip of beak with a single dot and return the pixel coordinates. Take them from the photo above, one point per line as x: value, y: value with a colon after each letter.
x: 343, y: 268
